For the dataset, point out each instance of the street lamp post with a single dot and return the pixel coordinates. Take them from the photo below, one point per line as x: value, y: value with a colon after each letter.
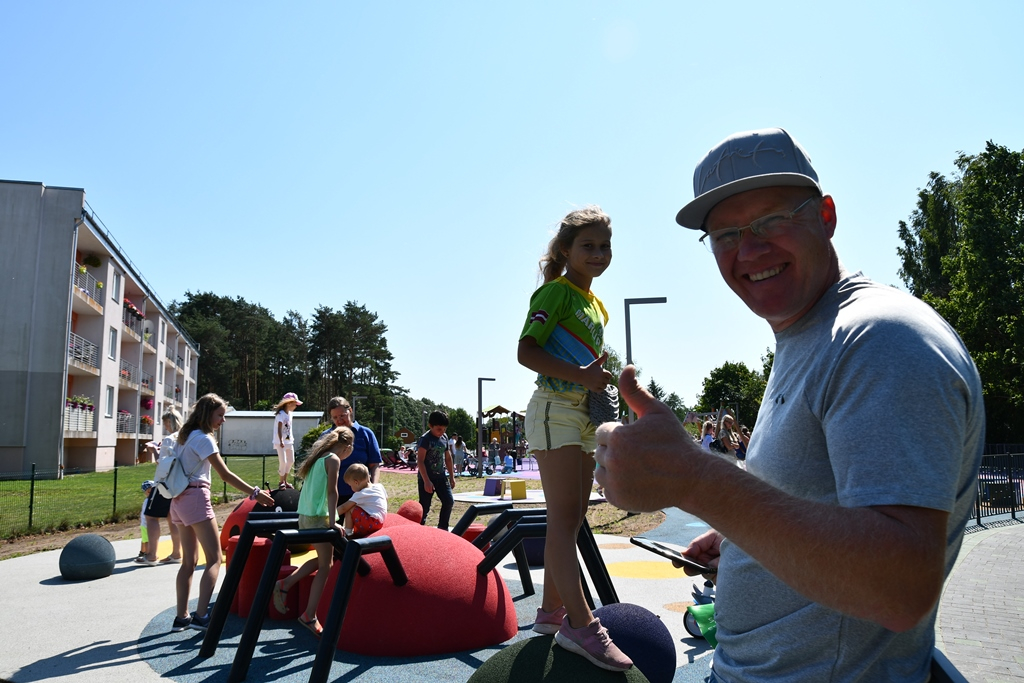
x: 629, y: 341
x: 424, y: 422
x: 354, y: 399
x: 480, y: 422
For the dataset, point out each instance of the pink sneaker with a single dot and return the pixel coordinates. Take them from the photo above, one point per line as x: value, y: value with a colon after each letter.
x: 548, y: 623
x: 593, y: 643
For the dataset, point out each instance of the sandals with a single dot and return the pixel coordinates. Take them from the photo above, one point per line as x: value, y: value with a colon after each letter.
x: 280, y: 594
x: 171, y: 560
x: 312, y: 626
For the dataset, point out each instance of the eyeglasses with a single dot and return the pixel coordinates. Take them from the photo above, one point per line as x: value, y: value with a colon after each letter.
x: 766, y: 227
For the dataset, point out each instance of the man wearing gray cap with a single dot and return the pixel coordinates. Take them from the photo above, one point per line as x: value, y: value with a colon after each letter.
x: 833, y: 546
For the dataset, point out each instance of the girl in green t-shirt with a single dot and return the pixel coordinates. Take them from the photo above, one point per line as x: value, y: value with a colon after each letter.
x: 563, y: 341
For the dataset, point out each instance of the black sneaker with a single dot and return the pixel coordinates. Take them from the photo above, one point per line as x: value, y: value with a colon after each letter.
x: 181, y: 624
x: 199, y: 623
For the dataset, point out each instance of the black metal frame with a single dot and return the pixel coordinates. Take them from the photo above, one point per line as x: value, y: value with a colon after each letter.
x: 282, y: 525
x: 522, y: 523
x: 1000, y: 486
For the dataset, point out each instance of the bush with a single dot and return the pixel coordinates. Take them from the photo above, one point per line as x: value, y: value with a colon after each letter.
x: 308, y: 439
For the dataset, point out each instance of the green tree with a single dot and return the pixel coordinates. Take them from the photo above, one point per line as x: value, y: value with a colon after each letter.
x: 233, y: 337
x: 462, y: 423
x: 349, y: 356
x: 656, y: 390
x: 767, y: 361
x: 963, y: 253
x: 735, y: 386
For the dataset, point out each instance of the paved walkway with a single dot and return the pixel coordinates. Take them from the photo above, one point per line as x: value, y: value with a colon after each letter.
x: 981, y: 615
x: 115, y: 628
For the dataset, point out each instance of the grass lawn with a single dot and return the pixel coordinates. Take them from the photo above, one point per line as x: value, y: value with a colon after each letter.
x: 86, y: 500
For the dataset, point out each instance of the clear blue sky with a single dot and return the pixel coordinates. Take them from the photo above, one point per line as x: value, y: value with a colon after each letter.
x: 414, y: 157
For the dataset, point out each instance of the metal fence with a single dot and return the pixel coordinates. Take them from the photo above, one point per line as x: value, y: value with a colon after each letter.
x: 38, y: 501
x: 1000, y: 486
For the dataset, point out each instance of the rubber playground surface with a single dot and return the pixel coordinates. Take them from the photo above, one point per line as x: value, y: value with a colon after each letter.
x: 117, y: 628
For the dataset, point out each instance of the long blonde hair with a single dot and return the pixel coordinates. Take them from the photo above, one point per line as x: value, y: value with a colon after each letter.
x: 201, y: 416
x: 552, y: 264
x: 323, y: 447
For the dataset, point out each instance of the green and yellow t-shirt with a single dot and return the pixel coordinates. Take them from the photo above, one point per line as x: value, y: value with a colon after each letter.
x: 569, y: 324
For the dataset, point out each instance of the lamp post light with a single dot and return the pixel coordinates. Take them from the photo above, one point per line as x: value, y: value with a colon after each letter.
x: 480, y: 422
x: 629, y: 341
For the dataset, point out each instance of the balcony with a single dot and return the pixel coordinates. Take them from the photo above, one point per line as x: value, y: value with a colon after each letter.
x: 129, y: 375
x: 169, y: 352
x: 125, y: 424
x: 132, y: 321
x: 168, y: 391
x: 192, y: 371
x: 179, y: 365
x: 146, y: 380
x: 79, y: 417
x: 87, y: 286
x: 83, y: 355
x: 146, y: 425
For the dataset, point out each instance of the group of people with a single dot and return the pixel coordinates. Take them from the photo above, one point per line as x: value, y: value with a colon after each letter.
x: 724, y: 437
x: 340, y: 491
x: 832, y: 546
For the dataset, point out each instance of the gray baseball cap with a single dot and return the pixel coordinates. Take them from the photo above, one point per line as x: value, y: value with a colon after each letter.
x: 746, y: 161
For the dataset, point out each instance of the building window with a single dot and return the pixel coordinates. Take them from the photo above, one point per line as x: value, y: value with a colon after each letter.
x: 112, y: 343
x: 160, y: 375
x: 115, y: 291
x: 163, y: 331
x: 108, y: 409
x: 160, y: 410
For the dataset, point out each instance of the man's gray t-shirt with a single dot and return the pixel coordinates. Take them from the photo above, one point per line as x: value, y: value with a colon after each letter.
x: 872, y: 400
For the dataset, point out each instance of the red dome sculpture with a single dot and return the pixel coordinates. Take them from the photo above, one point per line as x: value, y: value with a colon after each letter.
x: 444, y: 588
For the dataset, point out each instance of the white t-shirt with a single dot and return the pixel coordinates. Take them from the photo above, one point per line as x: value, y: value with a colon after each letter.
x: 194, y: 455
x: 167, y: 443
x: 373, y: 500
x: 284, y: 418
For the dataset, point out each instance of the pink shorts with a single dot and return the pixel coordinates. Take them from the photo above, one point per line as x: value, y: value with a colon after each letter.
x: 363, y: 523
x: 191, y: 507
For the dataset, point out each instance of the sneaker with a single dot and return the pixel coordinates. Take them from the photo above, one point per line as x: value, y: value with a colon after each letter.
x: 180, y: 624
x: 594, y: 643
x: 200, y: 623
x: 548, y: 623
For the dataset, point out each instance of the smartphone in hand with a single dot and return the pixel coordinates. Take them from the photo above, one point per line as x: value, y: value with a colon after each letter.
x: 671, y: 554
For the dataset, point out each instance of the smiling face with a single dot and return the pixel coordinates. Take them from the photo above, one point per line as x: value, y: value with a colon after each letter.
x: 782, y: 277
x: 589, y: 255
x: 341, y: 416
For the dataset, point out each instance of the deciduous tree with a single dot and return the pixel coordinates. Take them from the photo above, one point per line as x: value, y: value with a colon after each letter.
x: 963, y: 253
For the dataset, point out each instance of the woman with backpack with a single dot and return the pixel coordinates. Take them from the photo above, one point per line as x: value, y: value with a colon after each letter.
x: 192, y: 512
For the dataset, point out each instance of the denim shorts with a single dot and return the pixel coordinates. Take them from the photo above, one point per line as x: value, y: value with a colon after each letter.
x: 559, y: 418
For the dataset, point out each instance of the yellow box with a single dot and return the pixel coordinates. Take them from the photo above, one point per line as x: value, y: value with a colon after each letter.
x: 516, y: 488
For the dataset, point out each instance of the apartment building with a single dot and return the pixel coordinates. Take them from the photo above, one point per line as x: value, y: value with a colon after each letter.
x: 89, y: 356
